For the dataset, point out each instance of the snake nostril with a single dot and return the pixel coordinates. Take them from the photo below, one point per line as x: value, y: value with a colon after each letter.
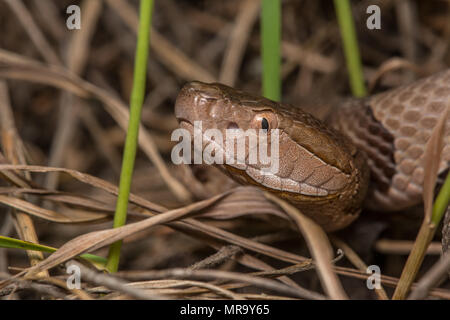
x: 233, y: 125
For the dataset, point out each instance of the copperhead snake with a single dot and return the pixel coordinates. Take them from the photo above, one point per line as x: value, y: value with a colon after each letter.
x: 367, y: 152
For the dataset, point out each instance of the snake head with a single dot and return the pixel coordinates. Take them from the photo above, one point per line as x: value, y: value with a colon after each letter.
x: 313, y: 163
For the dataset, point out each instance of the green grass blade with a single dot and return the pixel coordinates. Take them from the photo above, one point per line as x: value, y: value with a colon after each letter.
x: 7, y: 242
x: 137, y: 98
x: 441, y: 203
x: 351, y: 49
x: 271, y: 57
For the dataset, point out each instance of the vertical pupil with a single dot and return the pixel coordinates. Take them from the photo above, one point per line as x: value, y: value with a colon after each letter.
x: 265, y: 124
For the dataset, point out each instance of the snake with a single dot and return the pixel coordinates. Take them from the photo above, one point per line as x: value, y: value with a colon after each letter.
x: 367, y: 152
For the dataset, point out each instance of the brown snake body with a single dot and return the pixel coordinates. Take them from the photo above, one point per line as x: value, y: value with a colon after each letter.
x: 324, y: 166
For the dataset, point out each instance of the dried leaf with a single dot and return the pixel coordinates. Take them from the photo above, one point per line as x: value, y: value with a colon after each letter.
x: 71, y: 216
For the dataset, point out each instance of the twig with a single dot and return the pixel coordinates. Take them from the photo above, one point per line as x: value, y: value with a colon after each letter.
x: 20, y: 284
x: 233, y: 276
x: 223, y: 254
x: 114, y: 283
x: 211, y: 287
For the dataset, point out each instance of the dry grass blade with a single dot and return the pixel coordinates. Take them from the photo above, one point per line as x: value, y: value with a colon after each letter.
x: 233, y: 276
x: 194, y: 285
x: 406, y: 15
x: 64, y: 131
x: 20, y: 284
x: 78, y: 48
x: 171, y: 56
x: 228, y: 237
x: 85, y: 178
x: 305, y: 57
x: 318, y: 245
x: 12, y: 177
x: 285, y: 271
x: 432, y: 160
x: 255, y: 263
x: 31, y: 70
x: 34, y: 31
x: 244, y: 201
x: 76, y: 57
x: 51, y: 21
x: 388, y: 246
x: 78, y: 201
x: 59, y: 196
x: 188, y: 225
x: 115, y: 284
x: 106, y: 146
x: 194, y: 288
x: 97, y: 239
x: 16, y: 67
x: 236, y: 253
x: 428, y: 228
x: 390, y: 281
x: 80, y: 293
x: 390, y: 65
x: 72, y: 216
x: 240, y: 34
x: 15, y: 152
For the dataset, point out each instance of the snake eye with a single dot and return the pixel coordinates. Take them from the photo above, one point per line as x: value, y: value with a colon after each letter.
x: 265, y: 120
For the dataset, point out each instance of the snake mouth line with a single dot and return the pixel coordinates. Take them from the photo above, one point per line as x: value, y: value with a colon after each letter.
x: 270, y: 179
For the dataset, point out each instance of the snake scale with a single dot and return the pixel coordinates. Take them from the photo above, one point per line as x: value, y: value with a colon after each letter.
x: 367, y: 152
